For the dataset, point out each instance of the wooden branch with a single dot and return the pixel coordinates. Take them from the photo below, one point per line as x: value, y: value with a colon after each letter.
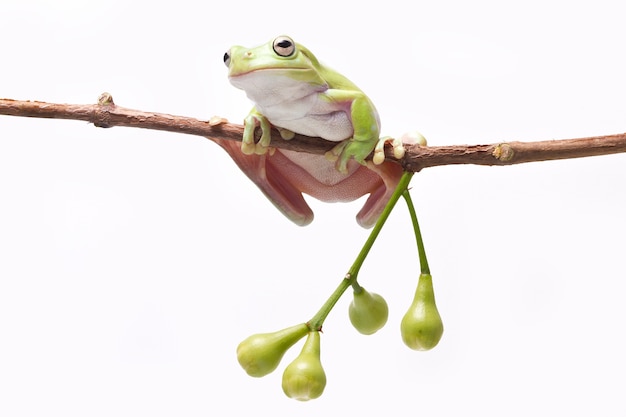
x: 106, y: 114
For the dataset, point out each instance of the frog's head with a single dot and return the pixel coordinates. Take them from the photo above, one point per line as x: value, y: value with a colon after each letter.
x: 282, y: 53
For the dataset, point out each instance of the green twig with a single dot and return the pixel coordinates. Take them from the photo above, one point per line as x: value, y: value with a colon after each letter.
x: 424, y: 269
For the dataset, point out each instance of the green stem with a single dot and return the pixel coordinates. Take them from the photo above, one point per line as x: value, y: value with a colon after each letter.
x: 356, y: 287
x: 424, y: 269
x: 318, y: 319
x: 350, y: 279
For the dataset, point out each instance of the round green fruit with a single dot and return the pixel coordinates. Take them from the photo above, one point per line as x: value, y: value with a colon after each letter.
x: 304, y: 379
x: 421, y: 326
x: 368, y: 312
x: 261, y: 353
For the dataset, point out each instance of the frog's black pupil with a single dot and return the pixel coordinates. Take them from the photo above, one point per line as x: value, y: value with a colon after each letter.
x: 284, y: 44
x: 226, y: 57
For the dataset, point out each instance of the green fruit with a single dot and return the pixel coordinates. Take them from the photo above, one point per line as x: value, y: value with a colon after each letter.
x: 368, y: 312
x: 261, y: 353
x: 421, y: 326
x: 304, y: 379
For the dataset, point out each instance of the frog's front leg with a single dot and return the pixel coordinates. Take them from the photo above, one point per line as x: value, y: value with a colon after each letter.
x: 365, y: 125
x: 251, y: 122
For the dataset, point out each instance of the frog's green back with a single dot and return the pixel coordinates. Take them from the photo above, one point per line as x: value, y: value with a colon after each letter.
x: 332, y: 77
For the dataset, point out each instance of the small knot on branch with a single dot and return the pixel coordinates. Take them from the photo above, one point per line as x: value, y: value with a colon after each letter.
x: 105, y: 99
x: 503, y: 152
x: 101, y: 114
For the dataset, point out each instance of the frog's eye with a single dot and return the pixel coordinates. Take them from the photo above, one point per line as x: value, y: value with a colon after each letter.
x: 227, y: 58
x: 284, y: 46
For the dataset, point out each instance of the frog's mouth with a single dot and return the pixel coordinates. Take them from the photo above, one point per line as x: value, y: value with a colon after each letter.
x: 277, y: 77
x: 273, y: 86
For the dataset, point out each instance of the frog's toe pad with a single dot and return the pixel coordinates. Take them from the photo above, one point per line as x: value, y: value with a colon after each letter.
x: 379, y: 156
x: 398, y: 148
x: 286, y: 133
x: 248, y: 148
x: 413, y: 138
x: 336, y: 152
x: 331, y: 156
x: 379, y: 150
x: 261, y: 148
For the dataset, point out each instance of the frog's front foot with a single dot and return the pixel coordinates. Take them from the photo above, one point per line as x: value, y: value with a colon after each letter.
x: 379, y: 151
x: 359, y: 150
x: 411, y: 138
x: 346, y: 150
x: 248, y: 144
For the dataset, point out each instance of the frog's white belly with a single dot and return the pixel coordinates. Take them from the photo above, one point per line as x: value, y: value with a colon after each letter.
x: 319, y: 167
x: 311, y: 116
x: 296, y: 105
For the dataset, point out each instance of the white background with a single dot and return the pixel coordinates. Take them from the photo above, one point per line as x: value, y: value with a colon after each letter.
x: 133, y: 262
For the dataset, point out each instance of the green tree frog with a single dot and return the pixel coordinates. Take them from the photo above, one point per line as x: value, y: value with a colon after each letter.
x: 293, y: 92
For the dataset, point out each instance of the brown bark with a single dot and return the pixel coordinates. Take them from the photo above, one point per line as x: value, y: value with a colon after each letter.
x: 108, y: 114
